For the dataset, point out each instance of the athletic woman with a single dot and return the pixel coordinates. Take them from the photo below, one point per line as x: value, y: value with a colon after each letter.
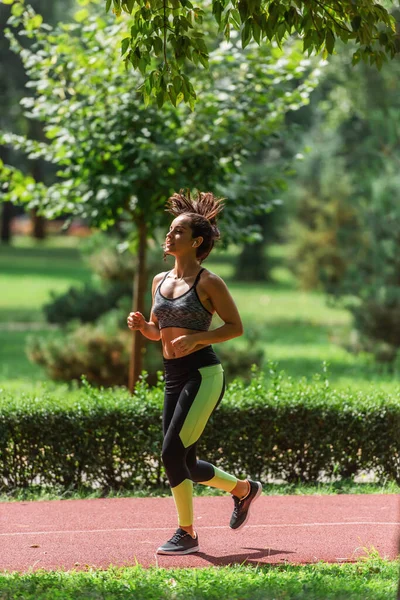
x: 184, y: 300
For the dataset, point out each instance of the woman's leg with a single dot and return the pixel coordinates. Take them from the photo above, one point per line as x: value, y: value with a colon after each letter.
x: 207, y: 474
x: 197, y: 400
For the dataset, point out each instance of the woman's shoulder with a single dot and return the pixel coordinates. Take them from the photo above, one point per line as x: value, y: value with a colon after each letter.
x: 158, y: 278
x: 212, y: 279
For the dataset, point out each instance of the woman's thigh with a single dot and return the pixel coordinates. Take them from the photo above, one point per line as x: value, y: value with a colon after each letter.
x: 189, y: 412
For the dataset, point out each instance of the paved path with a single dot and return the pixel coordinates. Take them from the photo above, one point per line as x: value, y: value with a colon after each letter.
x: 75, y: 534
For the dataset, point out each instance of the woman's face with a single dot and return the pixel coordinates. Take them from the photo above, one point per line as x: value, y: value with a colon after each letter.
x: 179, y: 237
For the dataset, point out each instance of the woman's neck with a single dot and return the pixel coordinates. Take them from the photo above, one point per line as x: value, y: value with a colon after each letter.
x: 185, y: 267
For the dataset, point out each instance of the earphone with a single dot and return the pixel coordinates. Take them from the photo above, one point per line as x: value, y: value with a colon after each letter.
x: 193, y: 245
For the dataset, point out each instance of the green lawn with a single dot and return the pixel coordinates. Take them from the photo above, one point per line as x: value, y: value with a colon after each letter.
x: 297, y: 329
x: 372, y: 579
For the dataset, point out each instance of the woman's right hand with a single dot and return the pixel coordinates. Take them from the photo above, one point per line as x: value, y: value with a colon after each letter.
x: 136, y: 321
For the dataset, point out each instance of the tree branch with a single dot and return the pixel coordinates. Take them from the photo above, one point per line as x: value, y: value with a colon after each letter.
x: 332, y: 17
x: 165, y: 33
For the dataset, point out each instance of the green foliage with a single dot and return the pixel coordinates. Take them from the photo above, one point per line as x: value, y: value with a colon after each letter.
x: 165, y: 37
x: 296, y: 431
x: 372, y: 577
x: 86, y: 303
x: 119, y: 160
x: 322, y: 211
x: 371, y: 288
x: 100, y: 351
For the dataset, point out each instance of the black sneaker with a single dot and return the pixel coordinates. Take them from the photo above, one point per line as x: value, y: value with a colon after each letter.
x: 241, y: 512
x: 180, y: 543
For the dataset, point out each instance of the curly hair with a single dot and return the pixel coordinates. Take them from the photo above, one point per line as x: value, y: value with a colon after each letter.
x: 202, y: 211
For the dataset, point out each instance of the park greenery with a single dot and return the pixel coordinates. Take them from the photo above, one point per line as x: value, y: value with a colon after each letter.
x: 294, y: 431
x: 176, y: 32
x: 306, y: 153
x: 119, y: 160
x: 373, y: 577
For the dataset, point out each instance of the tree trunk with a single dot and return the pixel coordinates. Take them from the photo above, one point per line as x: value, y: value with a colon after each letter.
x: 38, y: 222
x: 38, y: 226
x: 139, y: 290
x: 6, y: 222
x: 251, y: 264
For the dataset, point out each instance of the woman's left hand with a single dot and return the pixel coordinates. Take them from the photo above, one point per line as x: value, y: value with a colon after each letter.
x: 184, y: 344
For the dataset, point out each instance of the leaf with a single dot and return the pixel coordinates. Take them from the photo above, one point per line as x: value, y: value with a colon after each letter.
x: 129, y: 4
x: 243, y: 10
x: 81, y: 15
x: 330, y: 41
x: 256, y: 31
x: 177, y: 83
x: 157, y: 45
x: 356, y: 23
x: 204, y: 60
x: 172, y: 94
x: 246, y: 34
x: 17, y: 10
x: 125, y: 45
x: 108, y: 4
x: 160, y: 98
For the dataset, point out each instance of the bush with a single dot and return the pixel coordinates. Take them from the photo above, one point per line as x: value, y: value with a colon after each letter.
x: 237, y: 361
x: 101, y: 352
x: 296, y: 431
x: 86, y: 304
x: 113, y: 262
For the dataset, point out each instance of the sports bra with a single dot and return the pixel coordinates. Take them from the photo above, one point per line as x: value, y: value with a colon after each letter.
x: 185, y: 311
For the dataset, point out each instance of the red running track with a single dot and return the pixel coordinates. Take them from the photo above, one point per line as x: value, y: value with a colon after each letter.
x: 77, y: 534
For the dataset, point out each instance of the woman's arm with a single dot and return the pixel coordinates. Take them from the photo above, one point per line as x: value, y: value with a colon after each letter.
x: 225, y: 307
x: 150, y: 329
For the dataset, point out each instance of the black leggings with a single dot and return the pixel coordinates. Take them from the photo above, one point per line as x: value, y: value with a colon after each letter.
x: 194, y: 387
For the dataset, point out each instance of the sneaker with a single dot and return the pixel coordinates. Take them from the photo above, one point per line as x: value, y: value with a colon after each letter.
x: 241, y: 512
x: 180, y: 543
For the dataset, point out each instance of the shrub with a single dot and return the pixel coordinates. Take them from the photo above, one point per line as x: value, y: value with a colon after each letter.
x: 101, y: 351
x: 86, y: 304
x: 112, y: 261
x: 296, y: 431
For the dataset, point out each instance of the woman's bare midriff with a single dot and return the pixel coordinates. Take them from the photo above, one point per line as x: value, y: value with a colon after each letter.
x: 170, y: 333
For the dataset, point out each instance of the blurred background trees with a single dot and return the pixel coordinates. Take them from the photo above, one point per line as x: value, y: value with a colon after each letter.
x: 118, y: 160
x: 307, y: 155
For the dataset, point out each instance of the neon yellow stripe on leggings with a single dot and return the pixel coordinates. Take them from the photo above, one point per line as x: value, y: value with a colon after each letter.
x: 212, y: 380
x: 183, y: 497
x: 221, y: 480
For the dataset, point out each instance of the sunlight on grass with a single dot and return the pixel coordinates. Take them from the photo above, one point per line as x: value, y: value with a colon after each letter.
x: 374, y: 578
x: 297, y: 329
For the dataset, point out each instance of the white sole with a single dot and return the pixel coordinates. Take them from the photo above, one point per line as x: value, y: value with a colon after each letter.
x: 248, y: 512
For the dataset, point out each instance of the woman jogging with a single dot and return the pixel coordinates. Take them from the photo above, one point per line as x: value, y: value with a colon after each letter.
x: 184, y: 300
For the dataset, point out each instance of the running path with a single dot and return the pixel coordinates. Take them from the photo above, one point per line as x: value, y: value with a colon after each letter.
x: 77, y: 534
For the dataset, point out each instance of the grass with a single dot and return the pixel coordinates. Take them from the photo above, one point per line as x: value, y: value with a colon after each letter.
x: 297, y: 329
x: 29, y: 274
x: 372, y: 579
x: 39, y: 493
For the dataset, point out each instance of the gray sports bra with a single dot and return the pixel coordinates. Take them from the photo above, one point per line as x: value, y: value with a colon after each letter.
x: 185, y: 311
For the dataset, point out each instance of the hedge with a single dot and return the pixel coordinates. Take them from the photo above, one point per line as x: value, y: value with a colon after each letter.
x: 297, y: 431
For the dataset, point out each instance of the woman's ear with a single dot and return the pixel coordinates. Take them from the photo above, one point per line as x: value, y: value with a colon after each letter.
x: 197, y: 242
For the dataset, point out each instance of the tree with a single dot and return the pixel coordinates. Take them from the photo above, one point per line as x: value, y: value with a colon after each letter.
x: 119, y: 160
x: 12, y: 88
x: 167, y: 35
x: 350, y: 192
